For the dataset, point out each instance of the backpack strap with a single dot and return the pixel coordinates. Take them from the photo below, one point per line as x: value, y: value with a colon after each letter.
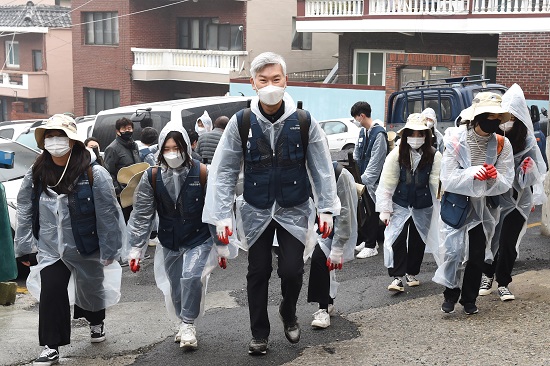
x: 90, y: 176
x: 244, y: 127
x: 304, y: 119
x: 500, y: 143
x: 203, y: 175
x: 152, y: 175
x: 337, y: 169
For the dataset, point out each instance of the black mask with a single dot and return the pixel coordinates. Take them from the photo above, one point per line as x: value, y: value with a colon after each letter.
x: 126, y: 136
x: 489, y: 125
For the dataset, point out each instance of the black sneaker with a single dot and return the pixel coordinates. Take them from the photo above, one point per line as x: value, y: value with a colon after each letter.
x: 47, y: 357
x: 292, y: 329
x: 257, y: 347
x: 448, y: 306
x: 97, y: 333
x: 470, y: 308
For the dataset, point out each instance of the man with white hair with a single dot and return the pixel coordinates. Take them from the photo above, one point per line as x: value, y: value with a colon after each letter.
x: 285, y: 155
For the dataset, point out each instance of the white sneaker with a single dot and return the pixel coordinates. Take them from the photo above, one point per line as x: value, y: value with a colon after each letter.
x: 486, y: 285
x: 411, y: 280
x: 188, y: 338
x: 367, y: 252
x: 330, y: 309
x: 360, y: 247
x: 321, y: 319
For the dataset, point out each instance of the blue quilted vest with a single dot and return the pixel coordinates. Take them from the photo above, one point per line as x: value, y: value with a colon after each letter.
x: 413, y: 189
x: 180, y: 223
x: 278, y: 175
x: 365, y: 145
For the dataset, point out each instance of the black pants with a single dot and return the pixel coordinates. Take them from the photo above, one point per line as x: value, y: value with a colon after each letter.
x: 371, y: 231
x: 472, y: 272
x: 290, y: 270
x: 505, y: 258
x: 54, y: 311
x: 407, y: 260
x: 318, y: 289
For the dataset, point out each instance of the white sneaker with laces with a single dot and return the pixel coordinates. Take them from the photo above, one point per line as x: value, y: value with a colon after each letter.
x: 330, y: 309
x: 396, y: 285
x: 505, y: 294
x: 360, y: 247
x: 188, y: 336
x: 321, y: 319
x: 367, y: 253
x: 486, y: 285
x: 411, y: 280
x: 48, y: 356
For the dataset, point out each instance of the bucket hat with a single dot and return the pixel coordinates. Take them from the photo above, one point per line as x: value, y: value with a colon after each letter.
x: 125, y: 174
x: 127, y: 194
x: 485, y: 102
x: 57, y: 122
x: 415, y: 123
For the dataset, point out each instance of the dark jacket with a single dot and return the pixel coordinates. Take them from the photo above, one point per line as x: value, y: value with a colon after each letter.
x: 120, y: 154
x: 208, y: 142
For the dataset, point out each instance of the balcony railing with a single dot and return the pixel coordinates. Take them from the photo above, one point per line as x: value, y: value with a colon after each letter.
x: 24, y: 84
x: 189, y: 60
x: 350, y: 8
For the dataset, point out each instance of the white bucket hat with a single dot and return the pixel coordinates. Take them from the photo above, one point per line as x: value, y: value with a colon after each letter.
x: 485, y: 102
x: 415, y: 123
x: 57, y: 122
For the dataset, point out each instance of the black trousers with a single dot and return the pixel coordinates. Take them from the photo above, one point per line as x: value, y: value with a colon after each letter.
x: 318, y: 289
x: 290, y: 270
x: 472, y: 272
x: 371, y: 231
x: 54, y: 311
x: 505, y: 259
x: 407, y: 260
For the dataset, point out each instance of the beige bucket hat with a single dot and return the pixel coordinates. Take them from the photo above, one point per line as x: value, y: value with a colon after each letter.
x: 57, y: 122
x: 127, y: 194
x: 415, y: 123
x: 125, y: 174
x: 485, y: 102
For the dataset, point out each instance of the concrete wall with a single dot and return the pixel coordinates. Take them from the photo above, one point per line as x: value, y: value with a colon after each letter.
x: 59, y: 66
x: 269, y: 28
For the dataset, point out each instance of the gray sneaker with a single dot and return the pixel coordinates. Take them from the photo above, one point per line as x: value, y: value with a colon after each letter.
x: 257, y: 347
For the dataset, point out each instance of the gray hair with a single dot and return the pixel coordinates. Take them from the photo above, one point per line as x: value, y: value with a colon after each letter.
x: 264, y: 59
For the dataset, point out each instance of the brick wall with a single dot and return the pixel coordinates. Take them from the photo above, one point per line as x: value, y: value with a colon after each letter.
x: 110, y: 67
x: 17, y: 112
x: 524, y: 58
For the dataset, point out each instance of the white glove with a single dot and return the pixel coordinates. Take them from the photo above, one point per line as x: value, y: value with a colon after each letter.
x: 334, y: 260
x: 224, y: 229
x: 385, y: 217
x: 325, y: 224
x: 223, y: 253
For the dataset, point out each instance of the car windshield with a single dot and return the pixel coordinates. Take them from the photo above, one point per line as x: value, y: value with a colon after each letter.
x: 24, y: 159
x: 28, y: 139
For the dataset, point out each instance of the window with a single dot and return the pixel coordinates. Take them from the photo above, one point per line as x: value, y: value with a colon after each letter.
x: 485, y: 67
x: 12, y: 53
x: 334, y: 127
x: 101, y: 28
x: 36, y: 60
x: 209, y: 34
x: 100, y: 99
x: 370, y: 67
x: 300, y: 40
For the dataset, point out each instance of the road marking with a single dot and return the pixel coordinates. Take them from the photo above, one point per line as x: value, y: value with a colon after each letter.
x: 533, y: 225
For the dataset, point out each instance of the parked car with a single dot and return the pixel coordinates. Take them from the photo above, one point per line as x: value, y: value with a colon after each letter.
x: 342, y: 133
x: 12, y: 129
x: 184, y: 111
x: 12, y: 178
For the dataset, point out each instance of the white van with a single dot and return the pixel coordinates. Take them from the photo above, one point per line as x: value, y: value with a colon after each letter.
x: 185, y: 111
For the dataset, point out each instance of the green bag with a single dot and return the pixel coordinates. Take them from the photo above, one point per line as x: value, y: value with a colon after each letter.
x: 8, y: 266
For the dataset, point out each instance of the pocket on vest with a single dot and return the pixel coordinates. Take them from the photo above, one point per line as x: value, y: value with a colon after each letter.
x: 295, y: 148
x: 256, y: 189
x: 88, y: 240
x: 294, y: 188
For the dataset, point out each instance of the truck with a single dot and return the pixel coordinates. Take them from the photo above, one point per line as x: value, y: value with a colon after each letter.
x: 447, y: 96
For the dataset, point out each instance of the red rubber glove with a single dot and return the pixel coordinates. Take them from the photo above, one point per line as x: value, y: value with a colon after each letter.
x: 223, y: 232
x: 481, y: 174
x: 491, y: 171
x: 325, y: 224
x: 134, y: 265
x: 223, y: 253
x: 334, y: 260
x: 527, y: 164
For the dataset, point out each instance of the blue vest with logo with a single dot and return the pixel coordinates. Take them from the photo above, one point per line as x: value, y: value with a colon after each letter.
x: 365, y: 145
x: 278, y: 175
x: 82, y: 213
x: 413, y: 189
x: 180, y: 223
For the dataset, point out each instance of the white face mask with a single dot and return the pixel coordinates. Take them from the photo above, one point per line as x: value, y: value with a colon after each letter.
x: 357, y: 123
x: 57, y: 146
x: 200, y: 130
x: 507, y: 126
x: 429, y: 124
x: 271, y: 94
x: 415, y: 142
x: 173, y: 159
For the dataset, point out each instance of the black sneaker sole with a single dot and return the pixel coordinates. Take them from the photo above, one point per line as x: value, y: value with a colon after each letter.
x: 257, y: 352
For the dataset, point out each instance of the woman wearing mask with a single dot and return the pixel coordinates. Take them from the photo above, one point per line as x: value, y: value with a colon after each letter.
x: 478, y: 166
x: 430, y: 119
x: 203, y: 124
x: 175, y: 191
x: 516, y: 203
x: 69, y: 206
x: 406, y: 200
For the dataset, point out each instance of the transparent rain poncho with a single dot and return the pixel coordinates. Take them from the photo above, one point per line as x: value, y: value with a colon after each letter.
x: 251, y: 221
x: 457, y: 175
x: 514, y: 101
x: 181, y: 275
x: 426, y: 220
x: 430, y: 114
x: 92, y: 286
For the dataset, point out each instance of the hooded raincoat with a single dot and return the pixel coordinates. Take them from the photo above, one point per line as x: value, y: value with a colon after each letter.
x: 180, y: 274
x: 430, y: 113
x: 457, y: 176
x: 93, y: 286
x: 206, y: 122
x: 514, y: 101
x: 252, y: 221
x: 426, y: 220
